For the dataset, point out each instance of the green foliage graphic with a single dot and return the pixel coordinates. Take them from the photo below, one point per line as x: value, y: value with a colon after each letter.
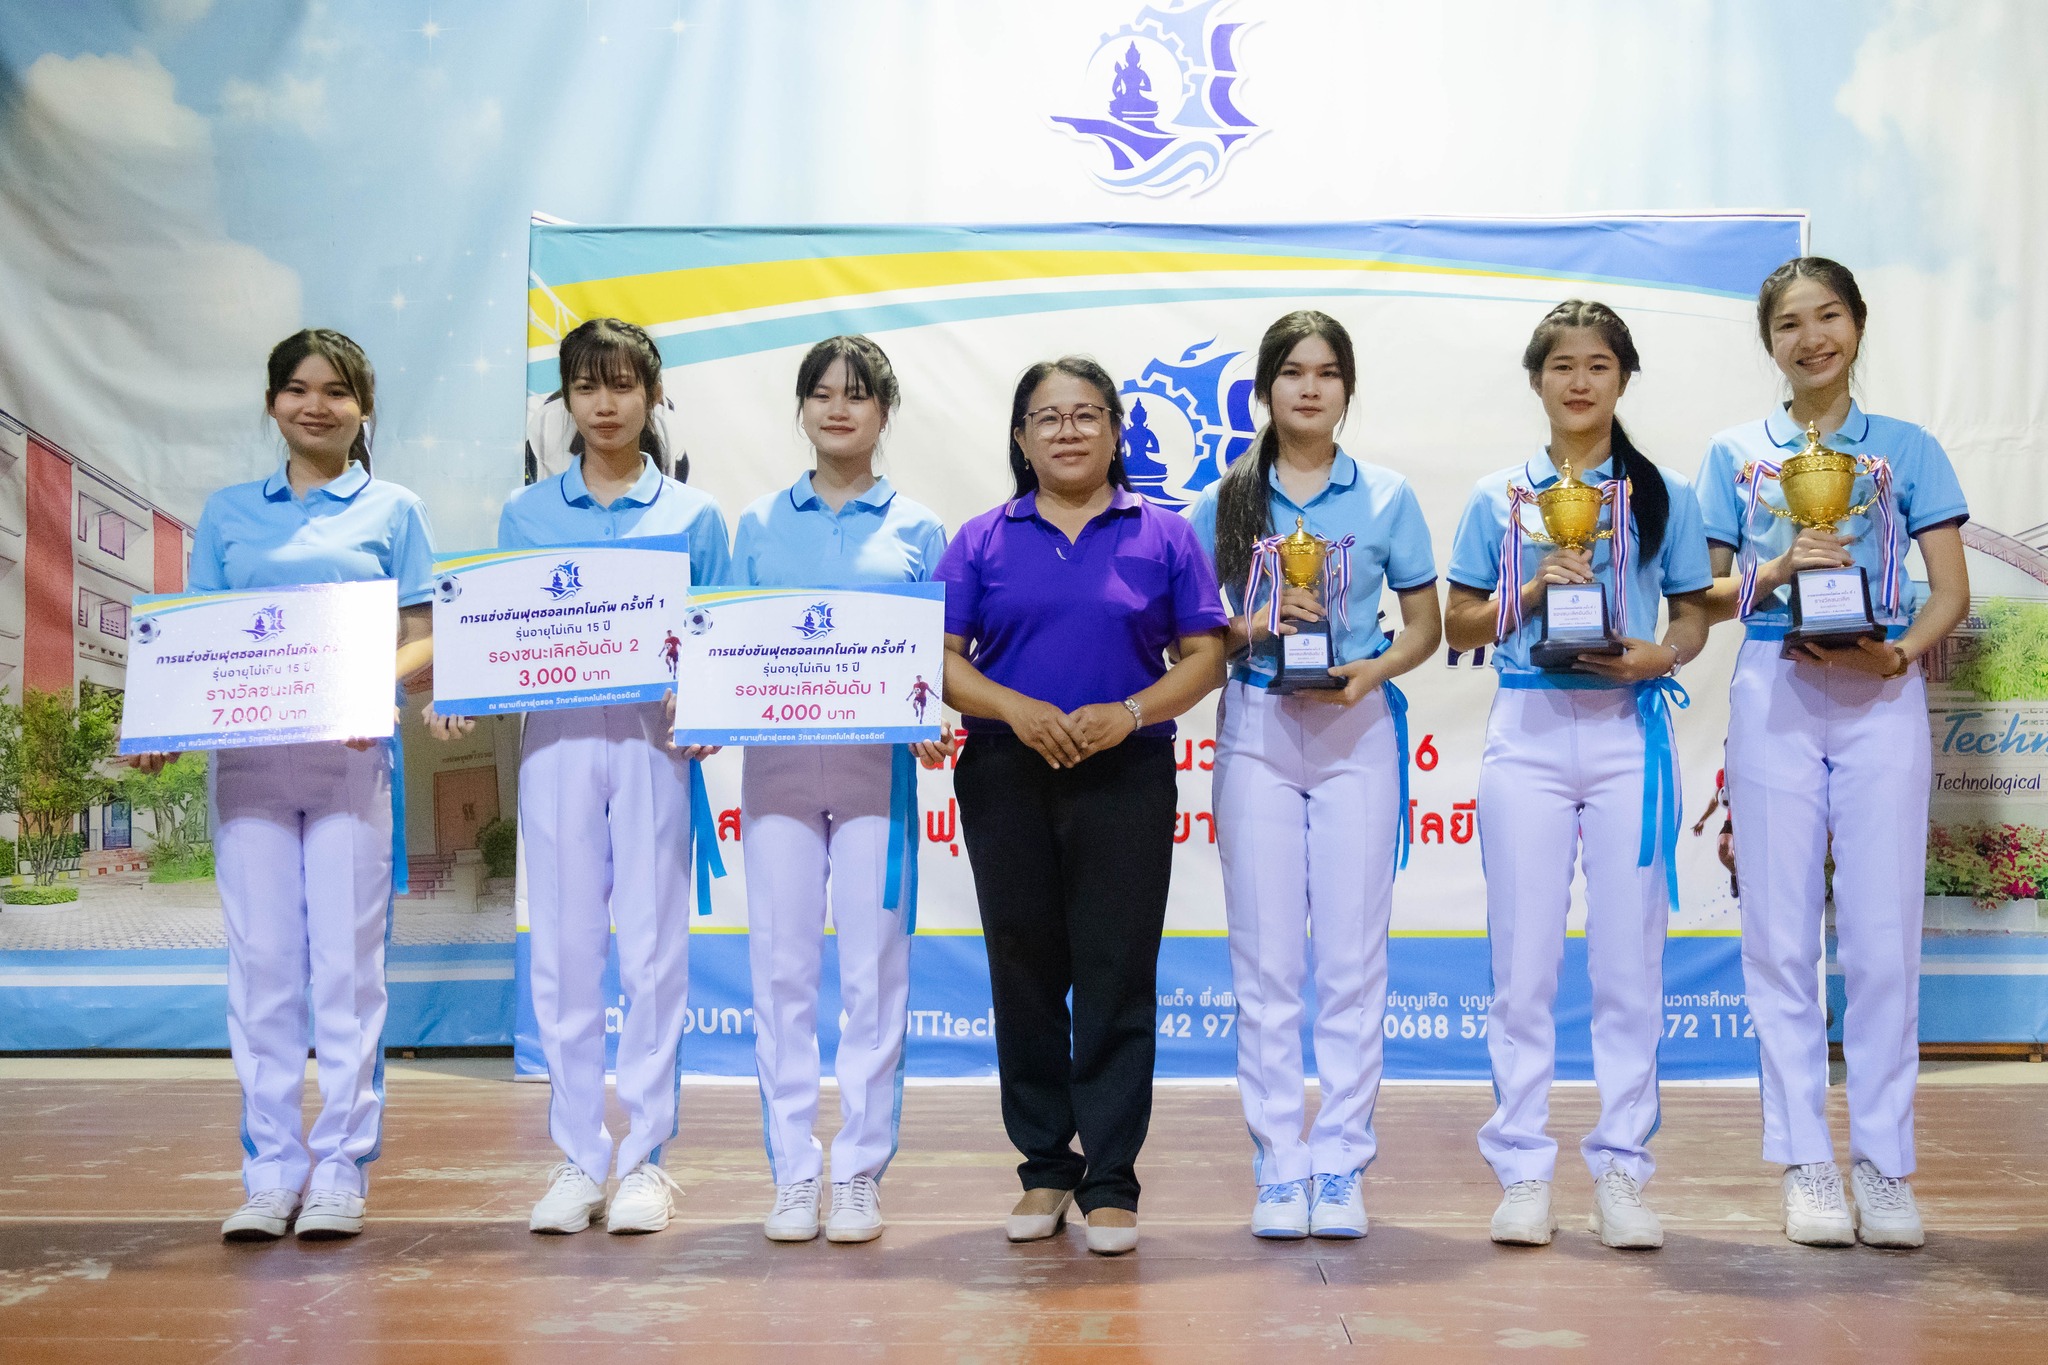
x: 2010, y: 659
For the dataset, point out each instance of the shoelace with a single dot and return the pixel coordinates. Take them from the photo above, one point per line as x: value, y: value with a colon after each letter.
x: 1524, y: 1191
x: 1621, y: 1188
x: 795, y: 1197
x: 857, y: 1195
x: 325, y: 1201
x: 271, y: 1203
x: 647, y: 1173
x: 1819, y: 1184
x: 1886, y: 1194
x: 1286, y: 1192
x: 567, y: 1178
x: 1336, y: 1189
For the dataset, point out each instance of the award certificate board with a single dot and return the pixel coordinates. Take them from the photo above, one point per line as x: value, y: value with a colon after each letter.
x: 813, y: 665
x: 230, y: 670
x: 564, y: 625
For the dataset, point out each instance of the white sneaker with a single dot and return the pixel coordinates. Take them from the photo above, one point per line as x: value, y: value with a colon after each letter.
x: 330, y: 1214
x: 1620, y: 1216
x: 1524, y: 1218
x: 645, y: 1200
x: 856, y: 1211
x: 1339, y: 1210
x: 1886, y: 1214
x: 1816, y: 1211
x: 263, y: 1217
x: 1282, y: 1211
x: 572, y: 1200
x: 795, y: 1215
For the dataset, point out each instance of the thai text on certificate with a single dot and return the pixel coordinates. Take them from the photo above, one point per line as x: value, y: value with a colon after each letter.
x: 229, y: 670
x: 813, y: 665
x: 567, y: 625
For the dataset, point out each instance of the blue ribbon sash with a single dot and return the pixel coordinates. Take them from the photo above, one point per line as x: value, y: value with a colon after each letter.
x: 704, y: 835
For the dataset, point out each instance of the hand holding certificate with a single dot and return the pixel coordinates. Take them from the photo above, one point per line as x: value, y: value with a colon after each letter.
x: 567, y: 625
x: 228, y: 670
x: 813, y: 666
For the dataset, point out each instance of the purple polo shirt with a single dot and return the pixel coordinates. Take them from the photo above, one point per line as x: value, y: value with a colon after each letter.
x: 1078, y: 623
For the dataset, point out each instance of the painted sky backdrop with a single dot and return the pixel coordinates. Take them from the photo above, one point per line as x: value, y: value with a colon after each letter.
x: 184, y: 181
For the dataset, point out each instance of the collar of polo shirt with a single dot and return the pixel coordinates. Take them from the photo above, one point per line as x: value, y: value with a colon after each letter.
x: 1026, y: 507
x: 1599, y: 473
x: 645, y: 489
x: 1343, y: 473
x: 1786, y: 433
x: 352, y: 480
x: 803, y: 496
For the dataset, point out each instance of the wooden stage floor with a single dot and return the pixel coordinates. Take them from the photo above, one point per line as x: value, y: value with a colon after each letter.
x: 118, y: 1171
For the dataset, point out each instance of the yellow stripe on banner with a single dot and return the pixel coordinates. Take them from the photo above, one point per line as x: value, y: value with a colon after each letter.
x: 681, y: 295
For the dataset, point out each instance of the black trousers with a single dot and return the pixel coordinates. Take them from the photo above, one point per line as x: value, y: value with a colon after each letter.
x: 1071, y: 869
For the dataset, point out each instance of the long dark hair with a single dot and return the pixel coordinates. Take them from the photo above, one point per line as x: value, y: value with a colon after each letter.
x: 348, y: 361
x: 1833, y: 274
x: 605, y: 349
x: 1088, y: 372
x: 868, y: 371
x: 1244, y: 513
x: 1649, y: 499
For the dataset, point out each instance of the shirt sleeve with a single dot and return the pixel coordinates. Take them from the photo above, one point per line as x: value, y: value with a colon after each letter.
x: 710, y: 549
x: 1411, y: 558
x: 1720, y: 501
x: 1202, y: 519
x: 960, y: 570
x: 412, y: 555
x: 1197, y: 602
x: 743, y: 551
x: 931, y: 550
x: 1931, y: 493
x: 511, y: 536
x: 1684, y: 551
x: 1475, y: 549
x: 208, y: 570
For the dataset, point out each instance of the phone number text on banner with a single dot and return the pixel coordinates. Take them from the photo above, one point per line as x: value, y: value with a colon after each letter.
x: 560, y: 626
x: 232, y: 670
x: 813, y: 666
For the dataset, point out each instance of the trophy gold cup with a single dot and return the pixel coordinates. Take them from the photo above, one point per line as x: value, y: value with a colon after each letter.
x: 1829, y: 606
x: 1575, y: 619
x: 1307, y: 655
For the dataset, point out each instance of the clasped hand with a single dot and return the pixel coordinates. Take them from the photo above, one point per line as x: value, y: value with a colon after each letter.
x: 1064, y: 738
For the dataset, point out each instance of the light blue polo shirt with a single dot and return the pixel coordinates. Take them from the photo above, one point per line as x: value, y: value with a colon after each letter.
x: 791, y: 539
x: 561, y: 511
x: 351, y: 530
x: 1392, y: 551
x: 1923, y: 482
x: 1680, y: 565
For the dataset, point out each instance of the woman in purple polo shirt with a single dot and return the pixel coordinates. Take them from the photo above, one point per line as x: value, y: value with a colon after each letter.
x: 1061, y: 606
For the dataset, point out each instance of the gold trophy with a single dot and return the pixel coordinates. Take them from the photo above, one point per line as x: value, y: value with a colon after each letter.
x: 1574, y: 614
x: 1829, y: 606
x: 1307, y: 654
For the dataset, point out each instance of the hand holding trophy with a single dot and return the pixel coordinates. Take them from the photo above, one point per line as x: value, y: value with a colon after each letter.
x: 1576, y: 620
x: 1309, y: 563
x: 1830, y: 605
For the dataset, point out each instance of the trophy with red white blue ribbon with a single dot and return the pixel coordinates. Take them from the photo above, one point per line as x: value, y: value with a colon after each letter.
x: 1829, y: 606
x: 1303, y: 560
x: 1575, y: 615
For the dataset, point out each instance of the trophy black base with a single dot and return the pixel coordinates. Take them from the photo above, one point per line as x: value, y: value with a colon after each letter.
x: 1306, y: 657
x: 1574, y: 623
x: 1830, y: 608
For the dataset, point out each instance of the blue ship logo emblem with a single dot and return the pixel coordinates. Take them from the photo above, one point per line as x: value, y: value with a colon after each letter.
x: 1172, y: 120
x: 565, y: 580
x: 1186, y: 420
x: 269, y: 622
x: 817, y: 621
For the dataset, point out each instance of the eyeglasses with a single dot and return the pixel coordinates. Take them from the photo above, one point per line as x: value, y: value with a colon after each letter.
x: 1088, y: 419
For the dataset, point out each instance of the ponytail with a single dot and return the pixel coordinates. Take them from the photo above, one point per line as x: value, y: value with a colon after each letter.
x: 1244, y: 510
x: 1649, y: 497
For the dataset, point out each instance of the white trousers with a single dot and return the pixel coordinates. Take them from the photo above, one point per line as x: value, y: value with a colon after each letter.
x: 302, y: 852
x: 817, y: 829
x: 1562, y: 777
x: 604, y: 812
x: 1306, y: 796
x: 1814, y: 752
